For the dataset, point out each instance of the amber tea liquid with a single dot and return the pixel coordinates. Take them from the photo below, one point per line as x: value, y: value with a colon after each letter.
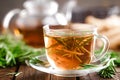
x: 32, y: 36
x: 69, y: 52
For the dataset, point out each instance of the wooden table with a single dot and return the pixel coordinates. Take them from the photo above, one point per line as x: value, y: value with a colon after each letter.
x: 28, y: 73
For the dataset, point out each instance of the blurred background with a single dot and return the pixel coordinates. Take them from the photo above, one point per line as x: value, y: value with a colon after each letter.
x: 103, y: 13
x: 7, y: 5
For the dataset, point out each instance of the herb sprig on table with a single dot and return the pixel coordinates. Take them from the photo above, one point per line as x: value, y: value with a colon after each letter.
x: 109, y: 71
x: 14, y: 51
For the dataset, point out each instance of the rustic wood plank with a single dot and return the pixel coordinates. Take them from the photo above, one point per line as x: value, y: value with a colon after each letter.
x: 117, y: 69
x: 95, y: 76
x: 29, y: 73
x: 116, y: 77
x: 84, y: 77
x: 53, y: 77
x: 5, y: 73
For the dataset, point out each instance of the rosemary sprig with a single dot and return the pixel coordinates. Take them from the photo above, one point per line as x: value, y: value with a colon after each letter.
x: 116, y: 55
x: 14, y: 51
x: 87, y: 66
x: 109, y: 71
x: 38, y: 61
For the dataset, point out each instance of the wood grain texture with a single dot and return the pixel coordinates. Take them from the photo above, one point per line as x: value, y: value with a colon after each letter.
x: 53, y: 77
x: 6, y: 73
x: 84, y: 77
x: 118, y: 69
x: 29, y: 73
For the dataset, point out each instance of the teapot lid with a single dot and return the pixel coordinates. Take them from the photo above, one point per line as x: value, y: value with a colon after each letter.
x: 48, y: 7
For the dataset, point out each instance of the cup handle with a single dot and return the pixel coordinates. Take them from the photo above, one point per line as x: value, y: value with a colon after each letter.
x: 104, y: 49
x: 9, y: 16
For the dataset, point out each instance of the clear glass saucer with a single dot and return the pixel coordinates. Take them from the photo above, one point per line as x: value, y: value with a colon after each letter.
x: 68, y: 73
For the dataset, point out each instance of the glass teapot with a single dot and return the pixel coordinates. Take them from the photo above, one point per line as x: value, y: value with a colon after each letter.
x: 28, y: 22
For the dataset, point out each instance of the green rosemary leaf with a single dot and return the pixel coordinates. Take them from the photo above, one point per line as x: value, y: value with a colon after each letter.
x: 86, y: 66
x: 14, y: 51
x: 36, y: 61
x: 117, y: 56
x: 109, y: 71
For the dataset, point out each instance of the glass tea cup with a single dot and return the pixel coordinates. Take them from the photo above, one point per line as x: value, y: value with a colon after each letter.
x: 69, y: 47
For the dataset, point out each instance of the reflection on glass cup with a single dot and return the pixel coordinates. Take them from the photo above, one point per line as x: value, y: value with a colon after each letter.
x: 69, y: 47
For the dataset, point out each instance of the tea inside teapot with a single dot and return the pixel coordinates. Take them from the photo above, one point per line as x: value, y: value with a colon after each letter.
x: 29, y: 22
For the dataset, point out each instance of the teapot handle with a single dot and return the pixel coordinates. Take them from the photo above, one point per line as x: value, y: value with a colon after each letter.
x: 9, y: 16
